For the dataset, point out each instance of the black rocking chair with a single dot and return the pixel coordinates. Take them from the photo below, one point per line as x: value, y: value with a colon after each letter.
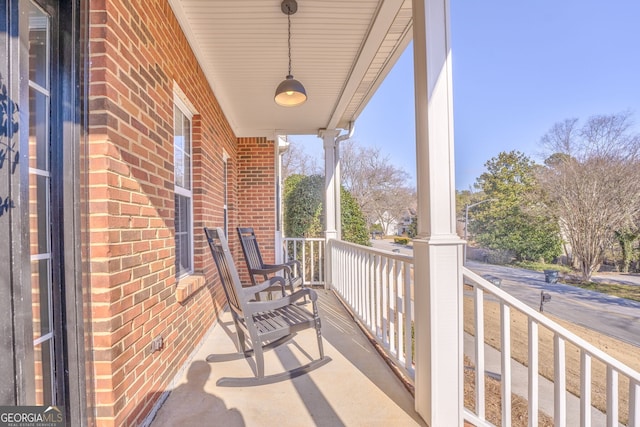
x: 266, y: 323
x: 290, y: 270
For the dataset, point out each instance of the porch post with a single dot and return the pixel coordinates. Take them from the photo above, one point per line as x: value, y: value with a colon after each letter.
x: 330, y: 182
x: 330, y: 199
x: 281, y: 146
x: 437, y: 248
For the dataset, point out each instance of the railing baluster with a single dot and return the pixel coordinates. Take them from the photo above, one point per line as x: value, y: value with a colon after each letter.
x: 408, y: 326
x: 378, y: 298
x: 356, y: 275
x: 401, y: 314
x: 385, y: 303
x: 505, y: 346
x: 312, y: 261
x: 585, y: 389
x: 304, y: 262
x: 478, y: 300
x: 319, y: 262
x: 365, y: 287
x: 393, y: 308
x: 560, y: 383
x: 634, y: 404
x: 533, y: 373
x: 612, y: 397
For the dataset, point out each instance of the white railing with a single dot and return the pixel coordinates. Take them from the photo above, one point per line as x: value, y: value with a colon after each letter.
x: 561, y: 337
x: 377, y: 285
x: 311, y: 254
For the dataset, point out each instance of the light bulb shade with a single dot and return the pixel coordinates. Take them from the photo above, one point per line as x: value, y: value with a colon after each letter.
x: 290, y: 92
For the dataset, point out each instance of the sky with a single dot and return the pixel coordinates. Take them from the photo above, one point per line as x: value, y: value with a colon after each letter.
x: 518, y: 68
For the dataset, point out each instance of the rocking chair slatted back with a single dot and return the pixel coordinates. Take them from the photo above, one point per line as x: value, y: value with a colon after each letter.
x: 291, y: 270
x: 250, y: 248
x: 228, y: 276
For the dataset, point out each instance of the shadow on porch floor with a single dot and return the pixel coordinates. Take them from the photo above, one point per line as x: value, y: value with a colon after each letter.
x: 356, y: 388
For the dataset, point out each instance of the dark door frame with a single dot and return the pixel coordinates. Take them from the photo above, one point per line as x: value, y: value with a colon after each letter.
x: 68, y: 200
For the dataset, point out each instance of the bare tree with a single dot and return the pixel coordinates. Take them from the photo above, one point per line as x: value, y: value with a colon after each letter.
x: 296, y: 161
x: 392, y: 207
x: 593, y: 179
x: 379, y: 187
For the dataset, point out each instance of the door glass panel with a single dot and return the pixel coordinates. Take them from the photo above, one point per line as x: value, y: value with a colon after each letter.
x: 43, y: 373
x: 40, y: 228
x: 41, y: 297
x: 38, y: 128
x: 39, y: 214
x: 38, y: 46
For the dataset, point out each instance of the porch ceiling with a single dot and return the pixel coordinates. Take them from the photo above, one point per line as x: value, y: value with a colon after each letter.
x: 341, y: 51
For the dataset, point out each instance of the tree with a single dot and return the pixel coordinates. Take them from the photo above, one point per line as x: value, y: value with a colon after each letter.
x: 593, y: 179
x: 303, y: 206
x: 391, y: 207
x: 303, y: 197
x: 517, y: 218
x: 626, y: 237
x: 354, y: 224
x: 295, y: 161
x: 379, y: 187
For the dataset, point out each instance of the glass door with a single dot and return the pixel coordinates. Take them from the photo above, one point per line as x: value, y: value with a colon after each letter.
x: 45, y: 261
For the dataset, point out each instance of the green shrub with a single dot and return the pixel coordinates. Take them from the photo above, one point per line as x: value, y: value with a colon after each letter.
x: 401, y: 240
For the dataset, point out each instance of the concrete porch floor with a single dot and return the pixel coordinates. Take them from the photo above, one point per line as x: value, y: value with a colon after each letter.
x: 356, y: 388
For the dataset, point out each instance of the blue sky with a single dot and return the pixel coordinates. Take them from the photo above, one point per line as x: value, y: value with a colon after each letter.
x: 518, y: 68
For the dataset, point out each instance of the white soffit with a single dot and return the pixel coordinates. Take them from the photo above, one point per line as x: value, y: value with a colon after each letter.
x: 341, y: 51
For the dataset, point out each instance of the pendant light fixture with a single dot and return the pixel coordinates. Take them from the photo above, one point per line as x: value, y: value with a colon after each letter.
x: 290, y: 92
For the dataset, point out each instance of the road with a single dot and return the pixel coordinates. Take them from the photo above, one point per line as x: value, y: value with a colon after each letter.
x: 613, y: 316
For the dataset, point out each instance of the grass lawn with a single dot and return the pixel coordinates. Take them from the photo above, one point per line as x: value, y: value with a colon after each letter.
x: 567, y: 276
x: 619, y: 290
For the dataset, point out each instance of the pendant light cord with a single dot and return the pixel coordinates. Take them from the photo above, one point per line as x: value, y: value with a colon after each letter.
x: 289, y: 34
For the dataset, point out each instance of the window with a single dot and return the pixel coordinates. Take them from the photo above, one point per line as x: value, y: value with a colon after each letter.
x: 183, y: 190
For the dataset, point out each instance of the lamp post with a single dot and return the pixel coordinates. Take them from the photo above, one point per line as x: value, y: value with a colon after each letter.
x: 466, y: 223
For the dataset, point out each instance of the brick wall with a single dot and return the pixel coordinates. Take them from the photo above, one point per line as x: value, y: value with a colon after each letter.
x: 256, y: 192
x: 137, y: 52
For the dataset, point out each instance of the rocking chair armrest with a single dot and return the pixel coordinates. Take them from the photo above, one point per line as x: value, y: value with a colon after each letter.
x: 287, y: 265
x: 268, y: 269
x: 277, y: 283
x: 293, y: 262
x: 260, y: 306
x: 284, y: 266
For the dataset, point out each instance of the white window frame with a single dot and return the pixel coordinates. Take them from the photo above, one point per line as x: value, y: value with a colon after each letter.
x: 186, y: 108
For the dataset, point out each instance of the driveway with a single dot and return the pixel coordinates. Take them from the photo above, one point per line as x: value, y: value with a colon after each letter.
x: 388, y: 245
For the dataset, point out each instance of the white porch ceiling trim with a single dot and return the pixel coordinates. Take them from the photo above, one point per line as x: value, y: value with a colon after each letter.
x: 389, y: 36
x: 341, y: 50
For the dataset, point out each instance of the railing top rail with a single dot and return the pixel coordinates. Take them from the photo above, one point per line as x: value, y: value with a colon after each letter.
x: 373, y: 251
x: 301, y: 239
x: 550, y: 324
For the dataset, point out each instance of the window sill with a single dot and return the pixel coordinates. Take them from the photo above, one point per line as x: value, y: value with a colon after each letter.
x: 189, y: 285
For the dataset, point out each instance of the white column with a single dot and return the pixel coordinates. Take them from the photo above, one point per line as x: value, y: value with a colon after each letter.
x: 437, y: 248
x: 330, y: 181
x: 281, y: 146
x: 338, y: 185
